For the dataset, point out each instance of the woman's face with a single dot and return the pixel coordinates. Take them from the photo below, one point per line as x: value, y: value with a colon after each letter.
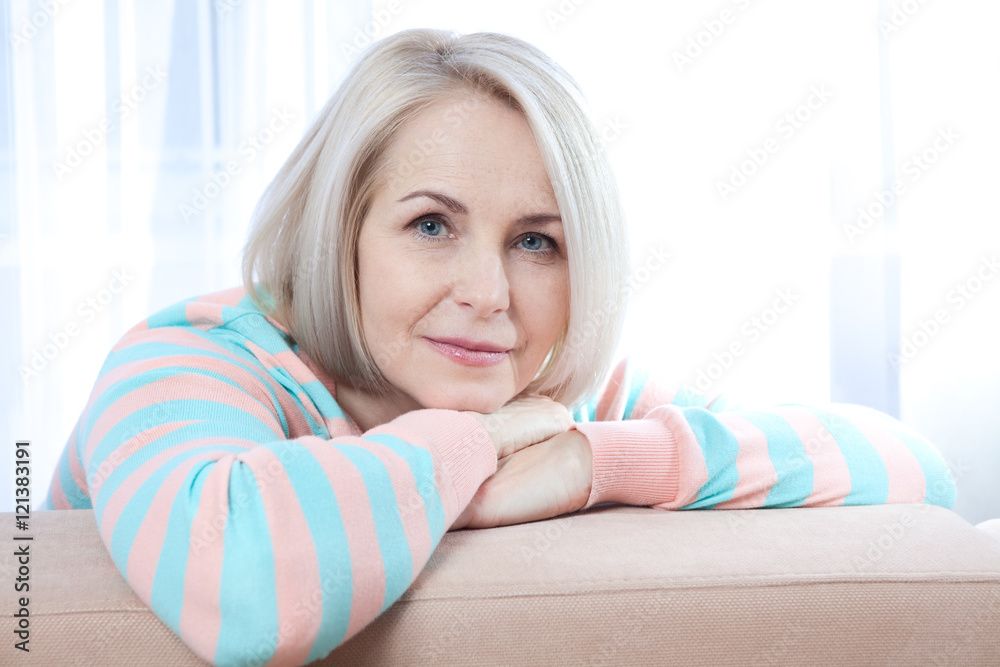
x: 463, y: 276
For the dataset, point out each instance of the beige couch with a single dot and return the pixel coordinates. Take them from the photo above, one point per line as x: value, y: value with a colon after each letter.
x: 615, y: 585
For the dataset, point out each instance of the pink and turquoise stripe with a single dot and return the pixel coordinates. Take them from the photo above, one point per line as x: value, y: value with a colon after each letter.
x: 248, y: 511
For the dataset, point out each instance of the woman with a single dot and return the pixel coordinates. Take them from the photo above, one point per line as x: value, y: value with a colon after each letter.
x: 433, y: 292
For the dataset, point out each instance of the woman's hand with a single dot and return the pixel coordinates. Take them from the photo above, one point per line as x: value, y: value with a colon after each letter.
x: 541, y: 481
x: 524, y: 421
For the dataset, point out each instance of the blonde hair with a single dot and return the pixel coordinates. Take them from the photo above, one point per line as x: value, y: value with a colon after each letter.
x: 302, y: 247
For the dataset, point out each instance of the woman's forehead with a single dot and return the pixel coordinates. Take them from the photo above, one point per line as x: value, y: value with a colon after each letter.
x: 488, y: 154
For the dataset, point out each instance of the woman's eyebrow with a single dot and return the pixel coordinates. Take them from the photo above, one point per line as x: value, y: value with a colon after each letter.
x: 446, y: 201
x: 456, y: 206
x: 541, y: 219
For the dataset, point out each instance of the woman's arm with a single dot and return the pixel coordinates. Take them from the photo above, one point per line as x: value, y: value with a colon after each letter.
x: 645, y: 444
x: 251, y: 542
x: 680, y: 450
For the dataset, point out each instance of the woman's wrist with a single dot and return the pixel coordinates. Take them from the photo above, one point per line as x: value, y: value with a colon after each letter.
x: 634, y: 462
x: 583, y: 465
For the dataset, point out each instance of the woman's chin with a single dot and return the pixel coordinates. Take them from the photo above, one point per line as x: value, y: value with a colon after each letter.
x: 483, y: 402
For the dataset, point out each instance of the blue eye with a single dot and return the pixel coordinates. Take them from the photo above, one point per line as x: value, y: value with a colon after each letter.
x: 536, y: 243
x: 429, y: 226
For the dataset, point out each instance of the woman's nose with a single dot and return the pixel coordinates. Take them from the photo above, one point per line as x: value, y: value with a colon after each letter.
x: 481, y: 281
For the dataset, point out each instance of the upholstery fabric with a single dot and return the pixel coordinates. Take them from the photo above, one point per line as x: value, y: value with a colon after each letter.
x: 870, y: 585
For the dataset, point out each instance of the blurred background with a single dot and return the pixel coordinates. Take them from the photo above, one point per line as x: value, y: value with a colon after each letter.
x: 810, y: 187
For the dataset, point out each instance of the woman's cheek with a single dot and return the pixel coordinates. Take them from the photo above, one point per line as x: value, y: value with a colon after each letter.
x: 546, y: 303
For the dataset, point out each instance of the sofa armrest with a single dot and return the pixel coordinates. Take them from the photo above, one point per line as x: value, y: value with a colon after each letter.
x: 991, y: 527
x: 881, y: 585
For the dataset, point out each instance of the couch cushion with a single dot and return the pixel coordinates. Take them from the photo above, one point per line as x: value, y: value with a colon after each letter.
x: 883, y: 585
x: 992, y: 527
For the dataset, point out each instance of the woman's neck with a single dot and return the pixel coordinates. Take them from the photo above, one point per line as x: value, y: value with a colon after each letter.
x: 369, y: 410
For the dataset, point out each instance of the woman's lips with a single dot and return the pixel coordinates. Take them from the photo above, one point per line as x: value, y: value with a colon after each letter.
x: 461, y: 351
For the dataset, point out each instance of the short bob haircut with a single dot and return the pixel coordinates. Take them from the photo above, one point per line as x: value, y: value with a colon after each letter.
x: 305, y: 228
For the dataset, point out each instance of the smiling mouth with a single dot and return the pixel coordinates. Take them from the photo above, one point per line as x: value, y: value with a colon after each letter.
x: 469, y: 353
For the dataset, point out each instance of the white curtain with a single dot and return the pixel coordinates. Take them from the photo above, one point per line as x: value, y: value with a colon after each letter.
x: 754, y: 144
x: 139, y: 136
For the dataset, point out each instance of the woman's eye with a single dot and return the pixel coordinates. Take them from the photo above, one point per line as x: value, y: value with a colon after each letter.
x: 536, y: 242
x: 430, y: 227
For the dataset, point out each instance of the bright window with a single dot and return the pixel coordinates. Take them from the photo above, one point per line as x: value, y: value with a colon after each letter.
x: 809, y: 186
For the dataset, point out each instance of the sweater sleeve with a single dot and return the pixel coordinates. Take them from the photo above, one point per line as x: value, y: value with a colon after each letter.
x: 253, y: 546
x: 681, y: 449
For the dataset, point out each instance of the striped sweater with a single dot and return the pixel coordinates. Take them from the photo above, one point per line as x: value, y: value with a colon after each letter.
x: 247, y: 509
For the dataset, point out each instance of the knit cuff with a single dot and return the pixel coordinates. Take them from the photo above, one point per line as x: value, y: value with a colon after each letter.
x: 464, y: 455
x: 634, y: 462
